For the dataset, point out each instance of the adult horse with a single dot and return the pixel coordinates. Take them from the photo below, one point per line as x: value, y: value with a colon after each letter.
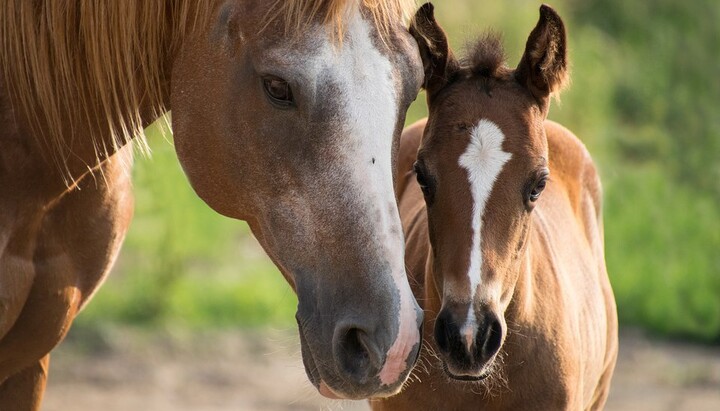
x: 285, y: 114
x: 504, y: 235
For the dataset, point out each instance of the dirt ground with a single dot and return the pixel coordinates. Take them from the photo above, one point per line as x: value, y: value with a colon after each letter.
x: 127, y: 371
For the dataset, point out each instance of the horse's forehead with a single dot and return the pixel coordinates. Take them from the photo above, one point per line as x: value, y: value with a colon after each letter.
x: 353, y: 84
x: 316, y: 54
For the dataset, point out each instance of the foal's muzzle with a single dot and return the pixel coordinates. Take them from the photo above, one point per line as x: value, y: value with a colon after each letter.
x: 468, y: 345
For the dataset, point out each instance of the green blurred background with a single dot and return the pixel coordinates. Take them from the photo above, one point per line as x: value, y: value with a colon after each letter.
x: 644, y: 99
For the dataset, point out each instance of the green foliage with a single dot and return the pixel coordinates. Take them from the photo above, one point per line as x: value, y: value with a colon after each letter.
x: 646, y: 73
x: 644, y: 101
x: 663, y: 74
x: 661, y: 242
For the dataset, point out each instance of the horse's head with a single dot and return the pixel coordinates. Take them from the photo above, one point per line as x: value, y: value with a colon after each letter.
x: 482, y: 165
x: 295, y: 133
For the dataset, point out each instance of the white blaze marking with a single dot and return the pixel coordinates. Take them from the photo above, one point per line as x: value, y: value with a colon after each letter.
x: 373, y: 116
x: 483, y: 159
x: 369, y: 109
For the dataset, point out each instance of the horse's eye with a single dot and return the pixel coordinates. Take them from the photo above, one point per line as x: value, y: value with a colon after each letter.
x: 278, y: 90
x: 537, y: 189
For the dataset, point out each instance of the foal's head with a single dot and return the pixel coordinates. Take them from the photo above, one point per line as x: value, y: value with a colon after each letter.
x: 482, y: 166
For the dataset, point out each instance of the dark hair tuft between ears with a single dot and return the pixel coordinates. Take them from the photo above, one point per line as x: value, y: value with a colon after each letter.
x: 486, y: 57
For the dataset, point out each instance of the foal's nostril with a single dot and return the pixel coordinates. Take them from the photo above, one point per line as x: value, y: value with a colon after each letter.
x: 490, y: 338
x: 358, y: 355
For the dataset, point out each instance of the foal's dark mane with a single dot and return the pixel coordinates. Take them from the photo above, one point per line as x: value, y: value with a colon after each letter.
x: 485, y: 60
x: 486, y: 57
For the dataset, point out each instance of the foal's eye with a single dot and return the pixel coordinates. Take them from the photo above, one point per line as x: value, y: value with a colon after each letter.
x: 420, y: 175
x: 278, y: 90
x: 424, y: 182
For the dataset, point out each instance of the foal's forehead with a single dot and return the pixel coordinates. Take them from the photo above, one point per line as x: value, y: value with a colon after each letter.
x: 468, y: 102
x: 479, y: 96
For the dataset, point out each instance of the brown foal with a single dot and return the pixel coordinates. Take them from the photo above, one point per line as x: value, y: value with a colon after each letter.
x: 501, y: 211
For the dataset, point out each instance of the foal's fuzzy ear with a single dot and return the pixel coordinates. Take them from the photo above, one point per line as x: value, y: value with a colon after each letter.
x: 544, y: 68
x: 438, y: 60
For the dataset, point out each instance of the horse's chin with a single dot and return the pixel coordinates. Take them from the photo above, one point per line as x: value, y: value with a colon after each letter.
x: 311, y: 369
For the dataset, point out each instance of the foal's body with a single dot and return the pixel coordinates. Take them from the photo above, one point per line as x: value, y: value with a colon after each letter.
x: 561, y: 346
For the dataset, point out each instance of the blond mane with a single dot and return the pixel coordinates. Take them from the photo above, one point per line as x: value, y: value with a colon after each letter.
x: 64, y: 58
x: 89, y: 69
x: 296, y: 13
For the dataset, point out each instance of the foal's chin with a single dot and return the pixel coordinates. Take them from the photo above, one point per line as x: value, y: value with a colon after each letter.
x: 473, y: 373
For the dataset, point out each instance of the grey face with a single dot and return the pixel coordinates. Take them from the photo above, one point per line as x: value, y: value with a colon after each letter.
x: 297, y: 137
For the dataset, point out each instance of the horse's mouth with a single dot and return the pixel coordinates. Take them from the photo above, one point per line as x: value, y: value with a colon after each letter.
x: 313, y: 373
x: 316, y: 380
x: 311, y: 369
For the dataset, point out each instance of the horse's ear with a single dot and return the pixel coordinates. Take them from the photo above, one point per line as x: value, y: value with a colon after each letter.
x: 438, y: 60
x: 543, y: 68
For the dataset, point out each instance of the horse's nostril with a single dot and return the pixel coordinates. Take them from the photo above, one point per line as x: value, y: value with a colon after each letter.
x: 358, y: 355
x: 490, y: 338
